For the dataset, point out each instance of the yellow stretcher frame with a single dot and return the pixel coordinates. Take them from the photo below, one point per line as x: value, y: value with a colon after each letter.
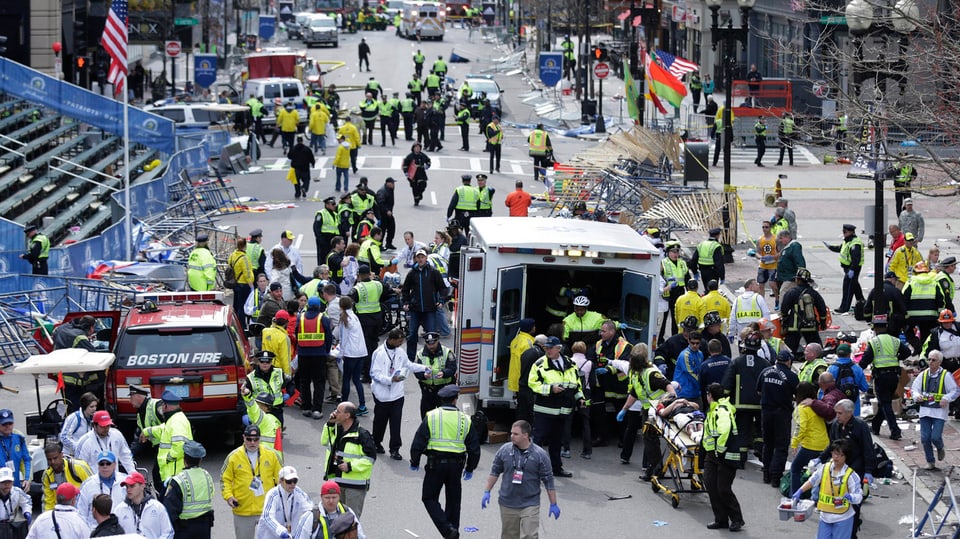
x: 681, y: 465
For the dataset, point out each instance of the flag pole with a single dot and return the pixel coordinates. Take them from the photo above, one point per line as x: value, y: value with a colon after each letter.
x: 126, y: 171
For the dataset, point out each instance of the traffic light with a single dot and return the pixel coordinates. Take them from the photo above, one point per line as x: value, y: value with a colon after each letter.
x: 79, y: 35
x: 600, y: 53
x: 3, y: 45
x: 82, y: 63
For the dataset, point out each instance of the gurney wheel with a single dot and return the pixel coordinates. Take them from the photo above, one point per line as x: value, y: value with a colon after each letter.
x: 654, y: 485
x: 675, y: 501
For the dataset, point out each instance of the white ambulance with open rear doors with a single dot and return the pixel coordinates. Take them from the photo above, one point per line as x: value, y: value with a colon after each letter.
x: 515, y: 268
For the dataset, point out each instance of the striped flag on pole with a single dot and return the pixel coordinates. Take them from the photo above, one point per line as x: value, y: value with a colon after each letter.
x: 676, y: 65
x: 114, y: 40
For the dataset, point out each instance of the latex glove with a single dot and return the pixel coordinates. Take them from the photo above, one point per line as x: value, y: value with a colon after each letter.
x: 414, y: 468
x: 394, y: 260
x: 731, y: 338
x: 813, y: 465
x: 28, y: 517
x: 849, y: 274
x: 485, y: 500
x: 868, y: 478
x: 284, y: 535
x: 848, y: 497
x: 602, y: 370
x: 796, y: 495
x: 663, y: 368
x: 467, y: 476
x: 622, y: 325
x: 554, y: 511
x: 621, y: 415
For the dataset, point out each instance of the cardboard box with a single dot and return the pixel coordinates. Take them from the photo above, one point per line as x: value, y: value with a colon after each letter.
x: 498, y: 436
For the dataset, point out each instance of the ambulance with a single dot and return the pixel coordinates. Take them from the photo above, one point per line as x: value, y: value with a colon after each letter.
x: 526, y: 267
x: 427, y: 17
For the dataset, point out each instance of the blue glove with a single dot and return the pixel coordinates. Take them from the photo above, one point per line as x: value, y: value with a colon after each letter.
x: 621, y: 415
x: 868, y: 477
x: 245, y: 420
x: 284, y: 535
x: 467, y: 476
x: 849, y: 274
x: 485, y: 500
x: 414, y: 468
x: 554, y: 511
x: 848, y: 497
x: 602, y: 370
x: 622, y: 325
x: 394, y: 260
x: 796, y: 495
x: 731, y: 338
x: 28, y: 517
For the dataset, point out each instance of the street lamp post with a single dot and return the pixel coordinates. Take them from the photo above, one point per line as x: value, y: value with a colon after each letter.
x: 862, y: 21
x: 728, y: 36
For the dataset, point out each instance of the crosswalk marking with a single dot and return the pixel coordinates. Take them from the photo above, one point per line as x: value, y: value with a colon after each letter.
x: 396, y: 163
x: 517, y: 169
x: 749, y: 155
x: 475, y: 165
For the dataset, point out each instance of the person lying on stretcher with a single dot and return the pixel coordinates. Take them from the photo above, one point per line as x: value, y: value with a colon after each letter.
x: 685, y: 414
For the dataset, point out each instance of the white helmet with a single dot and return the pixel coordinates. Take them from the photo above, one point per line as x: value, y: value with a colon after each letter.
x: 581, y: 301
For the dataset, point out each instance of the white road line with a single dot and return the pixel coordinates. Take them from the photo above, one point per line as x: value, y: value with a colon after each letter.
x: 517, y: 169
x: 435, y: 162
x: 808, y: 155
x: 299, y: 239
x: 396, y: 163
x: 316, y: 194
x: 321, y: 163
x: 361, y: 161
x: 280, y: 163
x: 323, y: 173
x: 475, y: 165
x: 433, y: 197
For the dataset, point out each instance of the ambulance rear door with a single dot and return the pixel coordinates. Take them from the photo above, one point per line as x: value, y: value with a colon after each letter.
x: 509, y: 304
x: 638, y: 306
x: 468, y: 337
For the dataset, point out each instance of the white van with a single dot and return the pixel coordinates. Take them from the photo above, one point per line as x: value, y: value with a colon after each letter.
x: 289, y: 90
x: 426, y: 17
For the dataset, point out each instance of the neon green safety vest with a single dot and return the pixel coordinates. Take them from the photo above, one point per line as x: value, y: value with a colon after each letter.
x: 440, y: 66
x: 150, y: 417
x: 938, y: 394
x: 843, y: 123
x: 254, y: 250
x: 368, y: 297
x: 274, y: 386
x: 415, y: 86
x: 467, y: 198
x: 44, y: 245
x: 640, y: 386
x: 810, y: 368
x: 923, y: 294
x: 419, y: 59
x: 463, y: 117
x: 787, y: 126
x: 312, y: 288
x: 196, y: 487
x: 361, y: 204
x: 485, y: 202
x: 448, y: 430
x: 436, y: 364
x: 433, y: 80
x: 678, y: 270
x: 760, y: 129
x: 256, y: 107
x: 538, y: 142
x: 329, y: 222
x: 407, y: 105
x: 847, y: 247
x: 497, y: 136
x: 338, y: 272
x: 705, y: 252
x: 885, y: 348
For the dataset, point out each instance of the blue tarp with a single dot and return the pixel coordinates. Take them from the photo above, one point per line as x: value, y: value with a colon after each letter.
x: 83, y: 105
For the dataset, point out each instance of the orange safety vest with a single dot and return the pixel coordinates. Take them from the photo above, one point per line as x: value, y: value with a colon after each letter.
x: 311, y: 334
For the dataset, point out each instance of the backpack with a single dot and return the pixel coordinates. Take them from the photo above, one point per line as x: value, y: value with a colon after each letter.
x: 229, y: 277
x: 884, y: 466
x: 847, y: 381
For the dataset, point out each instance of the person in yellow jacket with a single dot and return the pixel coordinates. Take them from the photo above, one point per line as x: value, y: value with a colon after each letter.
x: 838, y: 492
x: 74, y: 471
x: 341, y: 163
x: 277, y: 341
x: 201, y: 266
x: 288, y: 120
x: 319, y: 118
x: 582, y: 324
x: 169, y: 437
x: 520, y: 344
x: 258, y: 413
x: 244, y: 486
x: 721, y: 459
x: 904, y: 259
x: 690, y: 303
x: 713, y: 300
x: 352, y: 134
x: 239, y: 262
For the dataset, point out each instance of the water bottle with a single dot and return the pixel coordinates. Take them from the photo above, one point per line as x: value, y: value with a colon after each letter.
x: 903, y: 338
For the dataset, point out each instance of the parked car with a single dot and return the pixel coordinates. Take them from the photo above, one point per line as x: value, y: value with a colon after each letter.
x: 321, y: 31
x: 480, y: 84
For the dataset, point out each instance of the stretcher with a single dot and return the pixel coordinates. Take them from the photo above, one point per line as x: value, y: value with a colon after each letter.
x: 681, y: 468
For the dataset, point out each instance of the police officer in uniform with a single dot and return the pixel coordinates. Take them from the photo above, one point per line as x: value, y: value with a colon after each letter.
x: 255, y: 252
x: 407, y: 107
x: 465, y: 202
x: 189, y: 499
x: 369, y: 110
x: 326, y: 225
x: 674, y: 271
x: 611, y: 383
x: 39, y: 250
x: 442, y: 367
x: 776, y: 386
x: 169, y: 437
x: 786, y: 133
x: 885, y: 352
x: 256, y: 112
x: 463, y: 121
x: 486, y: 196
x: 418, y: 60
x: 555, y: 382
x: 760, y: 133
x: 201, y: 266
x: 540, y: 150
x: 851, y: 262
x: 452, y: 446
x: 901, y: 184
x: 708, y: 259
x: 149, y: 414
x: 720, y: 438
x: 740, y: 382
x: 368, y: 295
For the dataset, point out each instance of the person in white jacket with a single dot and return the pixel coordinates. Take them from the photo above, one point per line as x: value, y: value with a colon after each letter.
x: 105, y: 437
x: 78, y: 423
x: 283, y: 507
x: 106, y: 481
x: 749, y: 307
x: 405, y: 258
x: 69, y: 523
x: 353, y: 350
x: 11, y: 498
x: 389, y: 367
x: 140, y: 513
x: 934, y: 389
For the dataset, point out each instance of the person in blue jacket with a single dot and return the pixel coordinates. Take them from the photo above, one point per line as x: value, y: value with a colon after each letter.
x: 860, y: 381
x: 687, y: 372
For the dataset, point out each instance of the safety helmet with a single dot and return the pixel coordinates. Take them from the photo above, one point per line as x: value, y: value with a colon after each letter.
x: 690, y: 322
x: 712, y: 318
x: 946, y: 316
x: 581, y: 301
x: 765, y: 325
x: 920, y: 267
x: 752, y: 342
x: 803, y: 274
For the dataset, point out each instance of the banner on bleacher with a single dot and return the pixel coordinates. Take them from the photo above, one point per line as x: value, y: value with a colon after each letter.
x: 149, y: 129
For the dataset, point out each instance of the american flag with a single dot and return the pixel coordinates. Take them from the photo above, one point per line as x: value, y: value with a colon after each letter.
x: 676, y: 65
x: 114, y: 40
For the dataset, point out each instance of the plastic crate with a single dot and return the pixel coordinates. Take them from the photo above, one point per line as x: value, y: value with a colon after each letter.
x: 801, y: 513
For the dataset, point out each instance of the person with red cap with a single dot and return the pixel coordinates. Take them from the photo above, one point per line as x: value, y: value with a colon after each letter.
x: 141, y: 513
x: 317, y: 524
x: 104, y: 437
x: 68, y: 524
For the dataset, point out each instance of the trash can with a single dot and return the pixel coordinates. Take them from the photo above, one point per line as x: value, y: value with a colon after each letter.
x: 588, y: 111
x: 696, y: 163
